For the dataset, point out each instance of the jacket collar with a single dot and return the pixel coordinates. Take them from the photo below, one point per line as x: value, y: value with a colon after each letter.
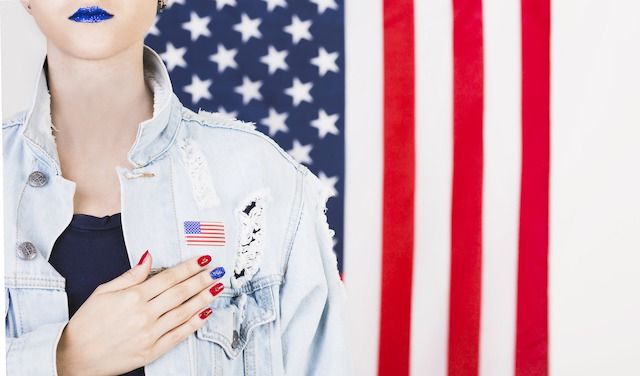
x: 153, y: 137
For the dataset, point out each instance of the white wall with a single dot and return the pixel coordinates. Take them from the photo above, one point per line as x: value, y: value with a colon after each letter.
x: 23, y: 47
x: 595, y: 188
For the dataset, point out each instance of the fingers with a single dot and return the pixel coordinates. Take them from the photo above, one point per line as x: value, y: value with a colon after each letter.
x: 176, y: 295
x: 180, y: 314
x: 178, y: 334
x: 155, y: 271
x: 129, y: 278
x: 172, y: 276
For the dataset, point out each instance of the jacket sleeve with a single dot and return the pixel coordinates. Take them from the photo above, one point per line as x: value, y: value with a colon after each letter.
x: 33, y: 353
x: 313, y: 298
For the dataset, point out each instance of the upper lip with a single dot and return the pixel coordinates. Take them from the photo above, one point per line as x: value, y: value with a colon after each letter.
x: 89, y: 11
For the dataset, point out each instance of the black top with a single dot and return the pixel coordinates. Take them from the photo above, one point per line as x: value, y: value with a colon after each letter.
x: 89, y: 252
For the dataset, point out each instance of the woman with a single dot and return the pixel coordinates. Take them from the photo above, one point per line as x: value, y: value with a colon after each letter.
x: 232, y: 229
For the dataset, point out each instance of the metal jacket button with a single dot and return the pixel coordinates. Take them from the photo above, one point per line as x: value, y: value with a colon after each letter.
x: 27, y: 251
x: 37, y: 179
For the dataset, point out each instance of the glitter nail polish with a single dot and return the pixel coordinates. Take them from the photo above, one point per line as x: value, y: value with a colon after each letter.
x: 217, y: 272
x: 204, y: 314
x: 204, y: 260
x: 215, y: 290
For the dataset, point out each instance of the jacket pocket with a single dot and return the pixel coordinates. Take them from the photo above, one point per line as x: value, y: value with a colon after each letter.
x: 237, y: 337
x: 32, y: 302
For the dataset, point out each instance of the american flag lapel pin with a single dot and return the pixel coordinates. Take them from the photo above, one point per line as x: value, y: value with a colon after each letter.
x: 204, y: 233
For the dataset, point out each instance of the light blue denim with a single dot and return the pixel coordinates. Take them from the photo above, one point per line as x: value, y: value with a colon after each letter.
x: 282, y: 311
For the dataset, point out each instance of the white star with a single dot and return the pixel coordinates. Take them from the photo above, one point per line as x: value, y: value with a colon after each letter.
x: 299, y: 91
x: 272, y: 4
x: 301, y: 152
x: 325, y: 61
x: 154, y: 29
x: 249, y: 90
x: 276, y: 122
x: 328, y: 184
x: 221, y: 3
x: 325, y: 123
x: 197, y: 26
x: 174, y: 56
x: 233, y: 114
x: 171, y: 2
x: 198, y: 89
x: 275, y: 60
x: 299, y: 29
x: 324, y: 5
x: 224, y: 58
x: 248, y: 27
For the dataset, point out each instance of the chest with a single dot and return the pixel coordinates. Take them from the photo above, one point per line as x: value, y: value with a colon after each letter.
x: 97, y: 186
x: 165, y: 210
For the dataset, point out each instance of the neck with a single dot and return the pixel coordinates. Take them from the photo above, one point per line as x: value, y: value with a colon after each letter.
x: 96, y: 105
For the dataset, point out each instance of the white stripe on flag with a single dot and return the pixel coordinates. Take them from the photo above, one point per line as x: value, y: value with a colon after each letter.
x: 363, y: 190
x: 501, y: 191
x: 434, y: 145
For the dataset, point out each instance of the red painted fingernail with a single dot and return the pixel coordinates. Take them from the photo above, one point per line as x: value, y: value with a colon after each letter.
x: 204, y: 314
x: 215, y: 290
x: 204, y: 260
x: 144, y: 256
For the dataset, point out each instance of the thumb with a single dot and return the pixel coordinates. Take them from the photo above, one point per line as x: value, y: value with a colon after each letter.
x: 131, y: 277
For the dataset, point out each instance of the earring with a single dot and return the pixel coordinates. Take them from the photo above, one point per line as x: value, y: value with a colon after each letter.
x: 162, y: 4
x: 29, y: 6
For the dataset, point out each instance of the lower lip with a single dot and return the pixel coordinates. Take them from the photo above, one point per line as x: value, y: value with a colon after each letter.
x: 91, y: 17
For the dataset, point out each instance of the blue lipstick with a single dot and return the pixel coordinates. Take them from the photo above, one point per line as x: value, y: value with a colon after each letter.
x: 90, y: 14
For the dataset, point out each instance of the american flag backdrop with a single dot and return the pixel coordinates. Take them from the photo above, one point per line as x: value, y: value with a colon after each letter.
x: 278, y: 64
x: 430, y: 124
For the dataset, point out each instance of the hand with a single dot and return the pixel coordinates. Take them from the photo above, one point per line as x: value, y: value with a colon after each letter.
x: 130, y: 321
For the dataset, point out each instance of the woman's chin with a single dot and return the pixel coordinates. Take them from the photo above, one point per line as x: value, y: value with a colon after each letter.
x: 92, y: 46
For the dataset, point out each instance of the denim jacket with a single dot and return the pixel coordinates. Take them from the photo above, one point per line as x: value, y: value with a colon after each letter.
x: 282, y: 311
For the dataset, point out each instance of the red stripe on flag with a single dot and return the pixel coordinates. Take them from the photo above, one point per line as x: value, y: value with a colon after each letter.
x: 532, y: 323
x: 398, y: 188
x: 466, y: 210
